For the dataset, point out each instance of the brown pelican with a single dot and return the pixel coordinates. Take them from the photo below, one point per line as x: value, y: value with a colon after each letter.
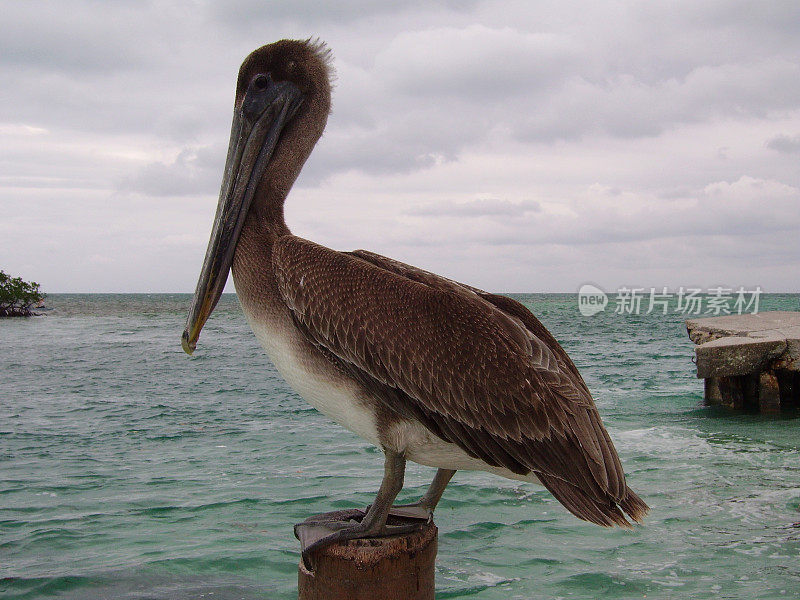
x: 427, y: 369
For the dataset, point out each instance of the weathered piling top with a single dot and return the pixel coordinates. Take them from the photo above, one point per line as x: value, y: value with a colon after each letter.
x: 742, y: 344
x: 397, y: 567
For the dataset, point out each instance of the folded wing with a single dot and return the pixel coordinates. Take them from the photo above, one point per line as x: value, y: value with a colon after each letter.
x: 477, y: 369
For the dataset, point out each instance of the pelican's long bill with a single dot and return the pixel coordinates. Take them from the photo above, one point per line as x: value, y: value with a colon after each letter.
x: 257, y: 124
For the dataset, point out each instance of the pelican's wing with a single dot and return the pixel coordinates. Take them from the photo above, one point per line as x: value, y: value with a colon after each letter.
x: 477, y: 369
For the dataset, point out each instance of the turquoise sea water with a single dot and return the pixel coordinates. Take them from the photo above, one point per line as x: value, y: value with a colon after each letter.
x: 129, y: 470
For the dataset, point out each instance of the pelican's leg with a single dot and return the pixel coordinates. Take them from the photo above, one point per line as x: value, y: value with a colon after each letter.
x: 318, y: 532
x: 424, y: 507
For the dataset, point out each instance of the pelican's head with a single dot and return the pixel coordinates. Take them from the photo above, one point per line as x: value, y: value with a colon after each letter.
x: 282, y: 104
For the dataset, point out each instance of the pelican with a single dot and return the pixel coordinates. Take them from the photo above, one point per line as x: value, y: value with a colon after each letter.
x: 428, y: 369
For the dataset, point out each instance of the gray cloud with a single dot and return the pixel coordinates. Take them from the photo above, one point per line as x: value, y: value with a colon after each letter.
x: 477, y: 62
x: 786, y: 144
x: 611, y: 217
x: 487, y: 207
x: 498, y: 142
x: 48, y: 37
x: 195, y: 171
x: 254, y: 13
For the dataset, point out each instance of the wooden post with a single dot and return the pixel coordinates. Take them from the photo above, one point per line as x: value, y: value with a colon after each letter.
x: 400, y: 567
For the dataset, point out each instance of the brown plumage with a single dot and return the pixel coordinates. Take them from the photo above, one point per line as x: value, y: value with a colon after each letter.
x: 477, y: 369
x: 426, y: 367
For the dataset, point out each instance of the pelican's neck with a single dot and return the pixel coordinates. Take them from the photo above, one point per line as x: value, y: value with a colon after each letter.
x: 253, y: 273
x: 267, y: 209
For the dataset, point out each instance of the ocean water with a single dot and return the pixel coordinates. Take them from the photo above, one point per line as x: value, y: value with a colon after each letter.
x: 129, y: 470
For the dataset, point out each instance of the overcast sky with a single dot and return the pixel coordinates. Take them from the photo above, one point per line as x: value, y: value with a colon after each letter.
x: 512, y: 145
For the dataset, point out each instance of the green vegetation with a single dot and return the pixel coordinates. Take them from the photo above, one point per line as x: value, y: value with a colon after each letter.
x: 17, y: 296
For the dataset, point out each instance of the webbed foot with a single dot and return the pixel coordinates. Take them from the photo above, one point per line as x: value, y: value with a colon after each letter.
x: 418, y: 510
x: 320, y: 531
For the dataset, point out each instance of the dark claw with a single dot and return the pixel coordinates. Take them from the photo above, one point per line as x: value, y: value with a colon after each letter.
x: 319, y: 527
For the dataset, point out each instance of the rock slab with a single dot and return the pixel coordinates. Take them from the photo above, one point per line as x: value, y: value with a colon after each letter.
x: 749, y: 361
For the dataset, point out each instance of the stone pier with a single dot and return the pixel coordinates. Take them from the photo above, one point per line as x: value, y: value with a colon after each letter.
x: 749, y: 362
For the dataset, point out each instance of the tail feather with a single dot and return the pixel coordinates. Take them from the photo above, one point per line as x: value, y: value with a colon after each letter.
x: 636, y: 508
x: 604, y: 513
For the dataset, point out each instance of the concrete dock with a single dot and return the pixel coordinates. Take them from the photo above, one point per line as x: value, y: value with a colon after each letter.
x: 749, y: 362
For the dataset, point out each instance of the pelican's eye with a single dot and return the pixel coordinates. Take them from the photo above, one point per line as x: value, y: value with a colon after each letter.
x: 260, y: 82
